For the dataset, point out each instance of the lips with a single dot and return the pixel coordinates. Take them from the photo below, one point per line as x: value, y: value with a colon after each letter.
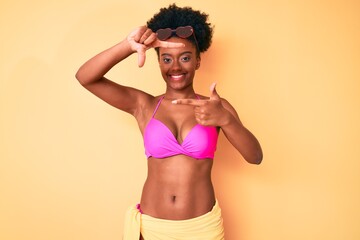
x: 177, y: 77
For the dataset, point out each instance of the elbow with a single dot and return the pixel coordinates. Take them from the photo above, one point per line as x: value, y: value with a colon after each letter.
x: 82, y: 79
x: 79, y: 78
x: 257, y: 161
x: 256, y: 158
x: 257, y: 155
x: 86, y: 79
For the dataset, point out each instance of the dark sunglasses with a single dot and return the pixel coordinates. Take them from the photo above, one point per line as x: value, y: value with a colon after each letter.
x: 182, y: 32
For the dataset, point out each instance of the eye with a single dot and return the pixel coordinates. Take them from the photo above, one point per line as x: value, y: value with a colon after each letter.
x: 167, y: 60
x: 185, y: 59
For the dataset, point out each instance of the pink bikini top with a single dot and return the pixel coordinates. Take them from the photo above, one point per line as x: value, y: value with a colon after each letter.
x: 159, y: 141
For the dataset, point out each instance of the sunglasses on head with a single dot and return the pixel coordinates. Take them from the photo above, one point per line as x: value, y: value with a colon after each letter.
x: 182, y: 32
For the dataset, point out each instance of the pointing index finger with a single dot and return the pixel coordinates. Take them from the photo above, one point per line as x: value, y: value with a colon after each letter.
x: 166, y: 44
x: 192, y: 102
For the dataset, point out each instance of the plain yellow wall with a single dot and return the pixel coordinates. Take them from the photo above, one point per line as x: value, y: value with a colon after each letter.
x: 71, y: 164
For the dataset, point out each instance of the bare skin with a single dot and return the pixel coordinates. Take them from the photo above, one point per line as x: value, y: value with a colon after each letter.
x: 177, y: 187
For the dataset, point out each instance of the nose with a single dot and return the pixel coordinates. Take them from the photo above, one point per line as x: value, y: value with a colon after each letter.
x: 176, y: 66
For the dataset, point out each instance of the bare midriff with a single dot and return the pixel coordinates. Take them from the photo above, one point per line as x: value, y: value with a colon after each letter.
x: 178, y: 188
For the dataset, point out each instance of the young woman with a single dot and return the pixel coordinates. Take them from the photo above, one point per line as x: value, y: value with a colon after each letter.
x: 180, y: 127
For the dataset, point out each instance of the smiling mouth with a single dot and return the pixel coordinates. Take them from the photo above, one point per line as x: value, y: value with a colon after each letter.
x: 177, y: 76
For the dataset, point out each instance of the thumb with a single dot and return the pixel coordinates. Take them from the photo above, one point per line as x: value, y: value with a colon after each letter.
x: 213, y: 94
x: 141, y: 56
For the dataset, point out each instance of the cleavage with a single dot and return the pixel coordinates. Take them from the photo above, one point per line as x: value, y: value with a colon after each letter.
x: 179, y: 128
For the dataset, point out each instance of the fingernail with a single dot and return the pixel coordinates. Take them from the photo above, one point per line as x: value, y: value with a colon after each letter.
x: 174, y: 101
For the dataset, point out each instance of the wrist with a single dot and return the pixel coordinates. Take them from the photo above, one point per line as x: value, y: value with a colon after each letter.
x: 119, y: 51
x: 125, y: 47
x: 228, y: 119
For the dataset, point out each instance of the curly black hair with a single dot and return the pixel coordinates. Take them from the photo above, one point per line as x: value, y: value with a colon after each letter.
x: 174, y: 16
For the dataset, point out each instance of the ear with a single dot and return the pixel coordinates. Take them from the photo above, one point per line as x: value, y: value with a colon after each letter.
x: 198, y: 63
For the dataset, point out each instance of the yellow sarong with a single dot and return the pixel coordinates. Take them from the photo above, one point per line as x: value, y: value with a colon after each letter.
x: 206, y: 227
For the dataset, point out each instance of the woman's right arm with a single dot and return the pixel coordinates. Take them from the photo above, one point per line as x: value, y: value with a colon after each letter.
x: 91, y: 73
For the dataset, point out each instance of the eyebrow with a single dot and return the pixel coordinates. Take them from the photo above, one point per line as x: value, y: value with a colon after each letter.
x: 168, y: 54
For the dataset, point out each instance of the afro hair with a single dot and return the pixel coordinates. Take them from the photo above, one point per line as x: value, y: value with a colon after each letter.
x: 174, y: 16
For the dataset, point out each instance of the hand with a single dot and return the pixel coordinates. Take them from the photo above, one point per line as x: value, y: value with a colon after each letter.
x: 143, y: 38
x: 208, y: 112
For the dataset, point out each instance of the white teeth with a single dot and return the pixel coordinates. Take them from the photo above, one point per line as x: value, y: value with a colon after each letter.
x: 176, y: 76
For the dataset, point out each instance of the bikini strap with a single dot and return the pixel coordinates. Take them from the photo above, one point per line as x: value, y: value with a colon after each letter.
x: 157, y: 106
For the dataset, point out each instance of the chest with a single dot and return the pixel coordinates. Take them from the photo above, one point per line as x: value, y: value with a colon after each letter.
x: 178, y: 119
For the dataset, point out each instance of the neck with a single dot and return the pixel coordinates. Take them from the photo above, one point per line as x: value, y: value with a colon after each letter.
x: 182, y: 94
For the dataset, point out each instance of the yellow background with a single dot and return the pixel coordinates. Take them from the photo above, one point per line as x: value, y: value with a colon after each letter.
x: 71, y: 164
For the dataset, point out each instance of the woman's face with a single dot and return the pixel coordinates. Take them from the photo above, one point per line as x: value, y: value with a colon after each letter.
x: 178, y: 65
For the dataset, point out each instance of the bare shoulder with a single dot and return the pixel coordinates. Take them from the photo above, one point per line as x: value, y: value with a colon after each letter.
x: 146, y: 106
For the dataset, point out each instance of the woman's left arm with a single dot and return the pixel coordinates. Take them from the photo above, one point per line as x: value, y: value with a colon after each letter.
x: 239, y: 136
x: 216, y: 111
